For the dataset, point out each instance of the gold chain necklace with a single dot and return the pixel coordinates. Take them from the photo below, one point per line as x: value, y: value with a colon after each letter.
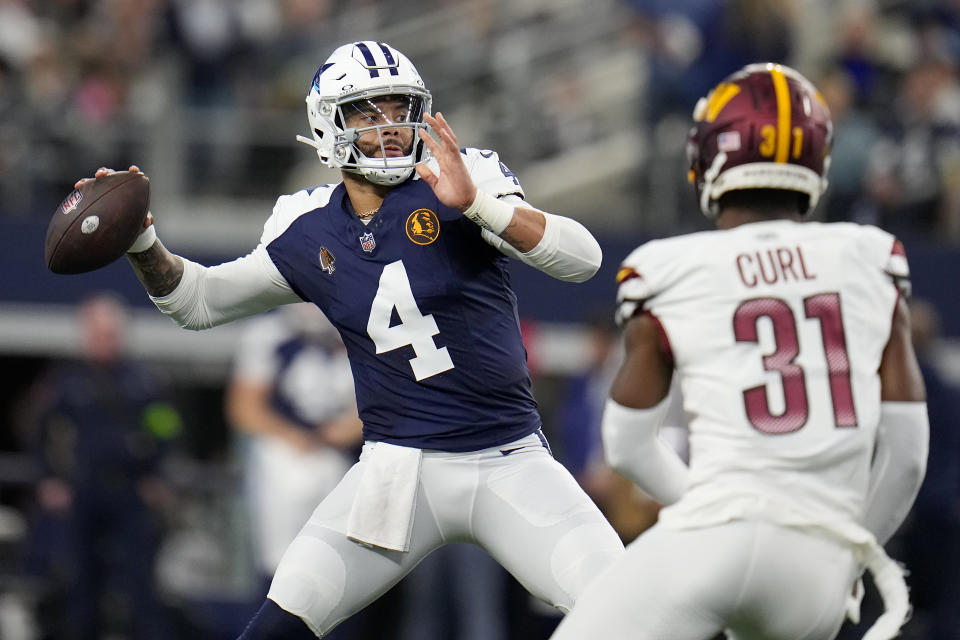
x: 368, y: 214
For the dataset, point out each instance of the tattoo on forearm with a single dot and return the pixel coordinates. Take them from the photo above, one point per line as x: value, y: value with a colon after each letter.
x: 158, y: 269
x: 525, y: 229
x: 515, y: 235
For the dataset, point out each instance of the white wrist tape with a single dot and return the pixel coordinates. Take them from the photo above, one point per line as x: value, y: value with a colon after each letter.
x: 144, y: 241
x: 490, y: 212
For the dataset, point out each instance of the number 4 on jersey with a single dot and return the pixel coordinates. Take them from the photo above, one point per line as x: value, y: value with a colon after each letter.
x: 415, y: 329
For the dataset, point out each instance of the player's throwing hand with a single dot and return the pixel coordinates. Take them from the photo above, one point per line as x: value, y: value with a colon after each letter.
x: 452, y: 185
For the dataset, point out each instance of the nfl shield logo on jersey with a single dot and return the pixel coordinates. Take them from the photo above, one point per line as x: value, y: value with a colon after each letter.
x: 367, y: 242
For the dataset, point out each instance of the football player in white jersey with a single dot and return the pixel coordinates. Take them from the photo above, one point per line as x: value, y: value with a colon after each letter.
x: 808, y: 426
x: 407, y: 258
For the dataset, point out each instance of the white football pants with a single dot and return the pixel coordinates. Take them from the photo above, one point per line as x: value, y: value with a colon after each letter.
x: 755, y: 579
x: 524, y: 508
x: 284, y: 486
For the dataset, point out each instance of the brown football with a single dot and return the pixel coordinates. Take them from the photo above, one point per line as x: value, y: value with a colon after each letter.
x: 97, y: 222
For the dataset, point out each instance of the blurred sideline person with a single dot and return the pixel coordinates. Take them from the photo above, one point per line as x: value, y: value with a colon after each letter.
x: 457, y: 592
x: 407, y: 256
x: 930, y: 539
x: 808, y: 429
x: 579, y: 416
x: 291, y: 393
x: 104, y: 426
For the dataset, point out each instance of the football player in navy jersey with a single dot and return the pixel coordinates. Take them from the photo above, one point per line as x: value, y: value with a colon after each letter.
x: 407, y: 257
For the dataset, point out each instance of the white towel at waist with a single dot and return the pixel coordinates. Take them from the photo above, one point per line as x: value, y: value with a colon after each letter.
x: 382, y: 510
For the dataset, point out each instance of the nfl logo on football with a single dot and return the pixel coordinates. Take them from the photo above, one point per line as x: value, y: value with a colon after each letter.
x: 71, y: 201
x: 367, y: 242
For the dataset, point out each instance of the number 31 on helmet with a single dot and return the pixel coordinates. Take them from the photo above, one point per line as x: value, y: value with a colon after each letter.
x: 763, y: 127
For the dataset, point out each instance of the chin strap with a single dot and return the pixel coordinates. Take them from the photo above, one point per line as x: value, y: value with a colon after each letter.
x: 708, y: 177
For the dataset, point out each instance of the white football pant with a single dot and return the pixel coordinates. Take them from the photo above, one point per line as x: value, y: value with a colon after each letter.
x: 759, y: 580
x: 524, y: 508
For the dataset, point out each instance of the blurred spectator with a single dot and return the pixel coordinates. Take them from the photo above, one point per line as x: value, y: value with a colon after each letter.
x: 914, y: 175
x: 693, y: 42
x: 628, y: 509
x: 292, y: 394
x: 103, y: 428
x: 578, y: 417
x: 457, y: 592
x: 854, y: 135
x: 930, y: 541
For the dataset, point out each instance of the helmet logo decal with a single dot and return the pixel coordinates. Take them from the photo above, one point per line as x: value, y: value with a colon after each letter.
x: 422, y: 227
x: 389, y: 56
x: 326, y: 260
x: 626, y: 273
x: 367, y: 242
x: 371, y: 61
x: 323, y: 67
x: 718, y: 99
x: 728, y: 141
x: 782, y: 92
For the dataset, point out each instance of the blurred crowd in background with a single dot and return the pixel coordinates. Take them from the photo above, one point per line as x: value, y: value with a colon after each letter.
x: 590, y: 98
x: 587, y: 102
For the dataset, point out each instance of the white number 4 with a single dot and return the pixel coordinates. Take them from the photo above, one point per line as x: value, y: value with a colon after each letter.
x: 415, y: 329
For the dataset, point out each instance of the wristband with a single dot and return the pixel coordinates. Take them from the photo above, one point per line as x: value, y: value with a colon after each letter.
x: 490, y: 212
x: 144, y: 241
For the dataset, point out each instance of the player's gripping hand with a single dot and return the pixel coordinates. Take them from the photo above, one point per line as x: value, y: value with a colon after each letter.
x: 149, y: 234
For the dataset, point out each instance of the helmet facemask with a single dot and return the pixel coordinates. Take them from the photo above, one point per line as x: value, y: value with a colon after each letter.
x: 366, y: 119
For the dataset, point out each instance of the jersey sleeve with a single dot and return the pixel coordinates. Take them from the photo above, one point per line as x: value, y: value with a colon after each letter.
x: 634, y: 283
x: 899, y: 269
x: 290, y: 207
x: 490, y: 174
x: 885, y: 251
x: 210, y: 296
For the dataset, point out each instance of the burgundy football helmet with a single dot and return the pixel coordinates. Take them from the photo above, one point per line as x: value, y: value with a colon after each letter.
x: 763, y: 127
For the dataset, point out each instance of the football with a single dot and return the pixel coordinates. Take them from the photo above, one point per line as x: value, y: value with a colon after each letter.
x: 97, y: 222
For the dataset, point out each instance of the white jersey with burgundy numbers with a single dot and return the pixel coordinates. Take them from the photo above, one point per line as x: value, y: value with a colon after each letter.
x: 776, y: 330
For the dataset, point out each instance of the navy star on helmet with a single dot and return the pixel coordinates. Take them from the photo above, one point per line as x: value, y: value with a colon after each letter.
x: 352, y: 78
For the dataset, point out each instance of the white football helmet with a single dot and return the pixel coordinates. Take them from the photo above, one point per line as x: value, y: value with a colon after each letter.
x: 351, y: 80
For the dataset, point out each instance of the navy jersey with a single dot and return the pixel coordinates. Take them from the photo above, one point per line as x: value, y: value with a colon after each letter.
x: 425, y: 308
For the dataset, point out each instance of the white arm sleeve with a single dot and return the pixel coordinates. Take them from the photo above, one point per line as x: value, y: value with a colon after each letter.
x: 900, y: 462
x: 567, y: 251
x: 632, y: 446
x: 209, y: 296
